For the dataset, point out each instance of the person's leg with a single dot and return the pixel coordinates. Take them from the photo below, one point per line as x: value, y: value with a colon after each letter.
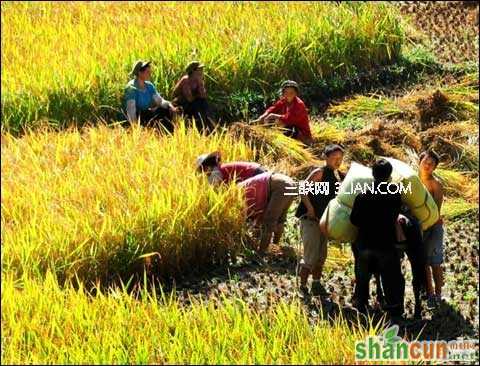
x: 200, y: 111
x: 437, y: 273
x: 437, y: 260
x: 433, y: 241
x: 282, y: 183
x: 416, y: 258
x: 310, y: 249
x: 322, y: 244
x: 272, y: 213
x: 162, y: 116
x: 393, y: 282
x: 362, y: 279
x: 317, y: 287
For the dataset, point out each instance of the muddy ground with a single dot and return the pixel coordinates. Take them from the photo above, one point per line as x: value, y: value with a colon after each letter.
x: 263, y: 284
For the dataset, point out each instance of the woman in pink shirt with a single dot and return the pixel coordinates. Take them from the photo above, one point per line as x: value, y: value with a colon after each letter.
x: 268, y: 197
x: 219, y: 172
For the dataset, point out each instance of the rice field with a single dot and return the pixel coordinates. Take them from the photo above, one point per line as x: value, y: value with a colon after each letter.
x: 90, y: 204
x: 78, y: 74
x: 108, y: 232
x: 46, y: 323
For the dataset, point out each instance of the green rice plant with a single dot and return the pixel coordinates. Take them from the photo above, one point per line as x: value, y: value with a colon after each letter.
x: 68, y: 63
x: 346, y: 122
x: 95, y: 203
x: 43, y: 322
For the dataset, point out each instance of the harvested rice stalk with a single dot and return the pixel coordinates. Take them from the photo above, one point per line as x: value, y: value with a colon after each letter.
x: 458, y: 184
x: 361, y: 106
x: 270, y: 144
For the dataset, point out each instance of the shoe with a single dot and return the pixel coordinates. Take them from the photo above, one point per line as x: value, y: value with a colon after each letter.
x: 319, y: 290
x: 432, y: 302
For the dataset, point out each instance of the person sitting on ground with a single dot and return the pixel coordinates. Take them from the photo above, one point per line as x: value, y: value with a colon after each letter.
x: 291, y: 113
x: 217, y: 172
x: 268, y: 198
x: 142, y: 101
x: 433, y: 237
x: 309, y: 211
x: 375, y: 214
x: 190, y: 94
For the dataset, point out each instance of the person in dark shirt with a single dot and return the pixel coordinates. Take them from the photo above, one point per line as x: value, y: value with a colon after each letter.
x: 375, y: 214
x: 309, y: 211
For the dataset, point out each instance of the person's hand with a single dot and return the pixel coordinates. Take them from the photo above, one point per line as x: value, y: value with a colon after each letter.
x: 269, y: 117
x: 173, y: 109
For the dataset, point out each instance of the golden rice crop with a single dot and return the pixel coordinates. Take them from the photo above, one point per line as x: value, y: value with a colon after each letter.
x: 66, y: 62
x: 43, y: 322
x: 91, y: 203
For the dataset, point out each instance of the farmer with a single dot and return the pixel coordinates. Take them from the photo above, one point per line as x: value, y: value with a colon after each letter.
x: 143, y: 101
x: 190, y: 94
x: 433, y: 237
x: 291, y: 113
x: 269, y: 196
x: 309, y: 211
x: 375, y: 214
x: 218, y: 172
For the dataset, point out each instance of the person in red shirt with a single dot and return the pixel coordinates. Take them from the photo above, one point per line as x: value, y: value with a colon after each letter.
x: 217, y: 172
x: 268, y: 197
x: 291, y: 113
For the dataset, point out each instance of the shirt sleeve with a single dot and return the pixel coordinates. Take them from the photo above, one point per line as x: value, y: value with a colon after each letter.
x: 276, y: 108
x: 131, y: 110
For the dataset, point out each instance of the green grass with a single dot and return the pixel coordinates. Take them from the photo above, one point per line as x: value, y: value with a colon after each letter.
x: 76, y: 65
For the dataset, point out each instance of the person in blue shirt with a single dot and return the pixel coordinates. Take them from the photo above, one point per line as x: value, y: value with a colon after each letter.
x: 142, y: 101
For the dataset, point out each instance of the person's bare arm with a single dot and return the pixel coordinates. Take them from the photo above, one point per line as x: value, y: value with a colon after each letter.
x: 202, y: 91
x: 159, y: 101
x: 314, y: 176
x: 437, y: 194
